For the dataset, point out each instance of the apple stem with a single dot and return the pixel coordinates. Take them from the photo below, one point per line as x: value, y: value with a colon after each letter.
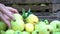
x: 23, y: 13
x: 29, y: 12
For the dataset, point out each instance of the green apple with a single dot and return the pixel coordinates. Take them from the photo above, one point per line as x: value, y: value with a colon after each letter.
x: 9, y: 31
x: 18, y: 16
x: 18, y: 24
x: 56, y: 25
x: 42, y: 23
x: 25, y: 32
x: 2, y: 32
x: 35, y: 32
x: 37, y: 26
x: 3, y: 26
x: 43, y: 29
x: 56, y: 32
x: 17, y: 32
x: 50, y: 29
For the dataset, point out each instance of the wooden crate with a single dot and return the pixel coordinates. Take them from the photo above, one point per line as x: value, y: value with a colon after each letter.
x: 33, y: 7
x: 55, y: 7
x: 27, y: 2
x: 24, y: 1
x: 56, y: 1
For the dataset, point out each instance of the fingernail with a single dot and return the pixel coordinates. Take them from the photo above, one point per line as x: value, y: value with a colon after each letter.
x: 14, y: 19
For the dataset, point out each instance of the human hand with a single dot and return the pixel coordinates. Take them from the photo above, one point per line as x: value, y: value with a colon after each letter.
x: 6, y: 13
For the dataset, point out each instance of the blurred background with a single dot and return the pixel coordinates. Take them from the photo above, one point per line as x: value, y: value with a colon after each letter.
x: 44, y: 9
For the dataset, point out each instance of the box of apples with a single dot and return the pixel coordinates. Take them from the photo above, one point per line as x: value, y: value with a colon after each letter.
x: 28, y: 23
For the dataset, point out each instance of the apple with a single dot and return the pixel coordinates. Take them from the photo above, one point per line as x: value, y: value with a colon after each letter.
x: 3, y: 25
x: 43, y: 29
x: 32, y: 19
x: 9, y: 31
x: 25, y: 32
x: 18, y: 16
x: 2, y: 32
x: 56, y: 32
x: 29, y: 27
x: 37, y: 26
x: 29, y: 17
x: 56, y: 25
x: 18, y: 24
x: 35, y: 32
x: 42, y: 22
x: 50, y: 29
x: 17, y: 32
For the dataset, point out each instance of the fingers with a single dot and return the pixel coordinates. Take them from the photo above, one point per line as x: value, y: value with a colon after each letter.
x: 7, y: 12
x: 5, y: 20
x: 12, y: 10
x: 6, y: 17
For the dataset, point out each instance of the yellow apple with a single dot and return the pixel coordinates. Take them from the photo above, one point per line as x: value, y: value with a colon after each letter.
x: 32, y: 19
x: 29, y: 27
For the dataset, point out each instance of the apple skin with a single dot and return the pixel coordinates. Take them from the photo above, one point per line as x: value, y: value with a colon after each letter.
x: 18, y: 24
x: 3, y: 26
x: 42, y: 23
x: 56, y: 25
x: 9, y: 31
x: 35, y: 32
x: 17, y: 32
x: 32, y: 19
x: 25, y: 32
x: 43, y: 30
x: 29, y: 27
x: 18, y: 16
x: 50, y: 29
x: 37, y: 26
x: 56, y: 32
x: 46, y: 29
x: 2, y: 32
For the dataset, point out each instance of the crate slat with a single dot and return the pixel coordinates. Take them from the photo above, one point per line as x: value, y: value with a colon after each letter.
x: 33, y: 7
x: 55, y: 7
x: 50, y: 18
x: 24, y: 1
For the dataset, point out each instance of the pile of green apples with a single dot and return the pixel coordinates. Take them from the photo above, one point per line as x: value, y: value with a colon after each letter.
x: 28, y: 23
